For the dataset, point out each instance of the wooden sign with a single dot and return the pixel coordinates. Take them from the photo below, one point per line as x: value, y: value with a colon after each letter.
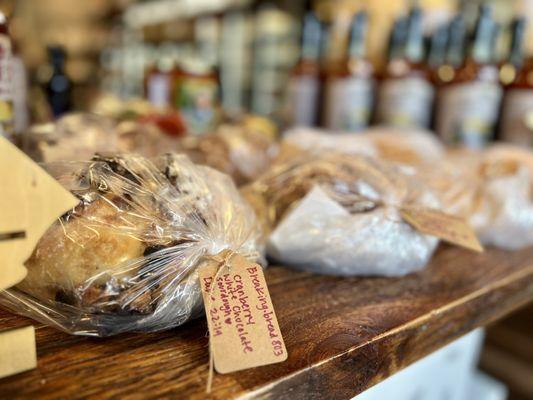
x: 30, y: 201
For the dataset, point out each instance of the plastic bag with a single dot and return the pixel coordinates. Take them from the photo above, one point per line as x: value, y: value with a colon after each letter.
x: 71, y: 138
x: 339, y: 214
x: 242, y: 150
x: 143, y: 138
x: 491, y: 189
x: 403, y: 146
x: 125, y: 258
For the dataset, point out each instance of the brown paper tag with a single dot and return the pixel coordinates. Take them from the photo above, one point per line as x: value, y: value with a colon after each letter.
x: 243, y: 328
x: 447, y: 227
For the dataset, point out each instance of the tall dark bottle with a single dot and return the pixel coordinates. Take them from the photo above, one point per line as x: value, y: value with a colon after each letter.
x: 469, y: 104
x: 406, y: 94
x: 6, y: 90
x: 59, y: 86
x: 517, y: 111
x: 349, y: 88
x: 301, y: 107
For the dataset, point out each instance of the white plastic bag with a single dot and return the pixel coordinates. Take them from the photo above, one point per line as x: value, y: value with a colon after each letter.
x: 491, y: 189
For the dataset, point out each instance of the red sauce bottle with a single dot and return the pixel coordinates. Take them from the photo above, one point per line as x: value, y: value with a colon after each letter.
x: 517, y: 76
x: 469, y: 104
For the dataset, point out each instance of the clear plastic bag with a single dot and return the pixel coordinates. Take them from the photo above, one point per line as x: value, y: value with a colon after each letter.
x: 125, y: 258
x: 143, y: 138
x: 340, y: 214
x: 491, y: 189
x: 242, y: 150
x: 73, y: 137
x: 402, y: 146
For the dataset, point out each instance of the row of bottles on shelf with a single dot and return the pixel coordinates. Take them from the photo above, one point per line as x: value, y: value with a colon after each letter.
x: 453, y: 86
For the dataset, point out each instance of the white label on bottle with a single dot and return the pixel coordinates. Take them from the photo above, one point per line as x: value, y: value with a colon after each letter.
x: 468, y: 113
x: 5, y: 68
x: 159, y: 90
x: 348, y: 103
x: 6, y: 90
x: 302, y: 100
x: 405, y: 102
x: 517, y: 117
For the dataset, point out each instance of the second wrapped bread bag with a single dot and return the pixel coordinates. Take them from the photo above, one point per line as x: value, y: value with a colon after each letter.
x: 340, y: 214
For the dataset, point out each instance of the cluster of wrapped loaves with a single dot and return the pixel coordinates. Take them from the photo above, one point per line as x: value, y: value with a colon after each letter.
x: 126, y: 257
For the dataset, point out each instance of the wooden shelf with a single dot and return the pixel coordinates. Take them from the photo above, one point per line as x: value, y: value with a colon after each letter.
x: 342, y: 335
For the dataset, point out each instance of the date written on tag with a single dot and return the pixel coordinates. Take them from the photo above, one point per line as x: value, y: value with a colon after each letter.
x: 243, y: 328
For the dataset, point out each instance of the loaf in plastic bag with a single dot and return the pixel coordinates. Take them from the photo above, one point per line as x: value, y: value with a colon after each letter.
x: 339, y: 214
x: 125, y: 258
x: 73, y: 137
x: 491, y: 189
x: 398, y: 145
x: 242, y: 149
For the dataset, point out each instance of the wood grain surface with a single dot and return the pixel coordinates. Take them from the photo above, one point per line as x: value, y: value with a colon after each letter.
x: 342, y: 335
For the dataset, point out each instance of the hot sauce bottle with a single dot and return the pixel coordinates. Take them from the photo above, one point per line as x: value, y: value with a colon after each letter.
x: 517, y: 112
x: 406, y: 94
x: 301, y: 107
x: 349, y: 88
x: 469, y: 104
x: 6, y: 92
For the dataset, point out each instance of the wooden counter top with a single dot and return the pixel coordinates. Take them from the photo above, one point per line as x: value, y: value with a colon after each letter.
x: 342, y: 335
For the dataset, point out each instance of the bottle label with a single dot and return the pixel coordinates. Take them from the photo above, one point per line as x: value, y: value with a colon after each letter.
x: 348, y: 103
x: 468, y: 113
x: 302, y: 100
x: 517, y: 117
x: 405, y: 102
x: 6, y: 94
x: 196, y: 99
x: 158, y: 88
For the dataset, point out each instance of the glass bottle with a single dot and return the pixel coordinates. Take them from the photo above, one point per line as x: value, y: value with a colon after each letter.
x: 59, y: 86
x: 517, y: 111
x: 301, y: 106
x: 469, y: 106
x: 158, y: 82
x: 406, y: 94
x: 6, y: 93
x: 349, y: 89
x: 20, y: 93
x: 196, y: 95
